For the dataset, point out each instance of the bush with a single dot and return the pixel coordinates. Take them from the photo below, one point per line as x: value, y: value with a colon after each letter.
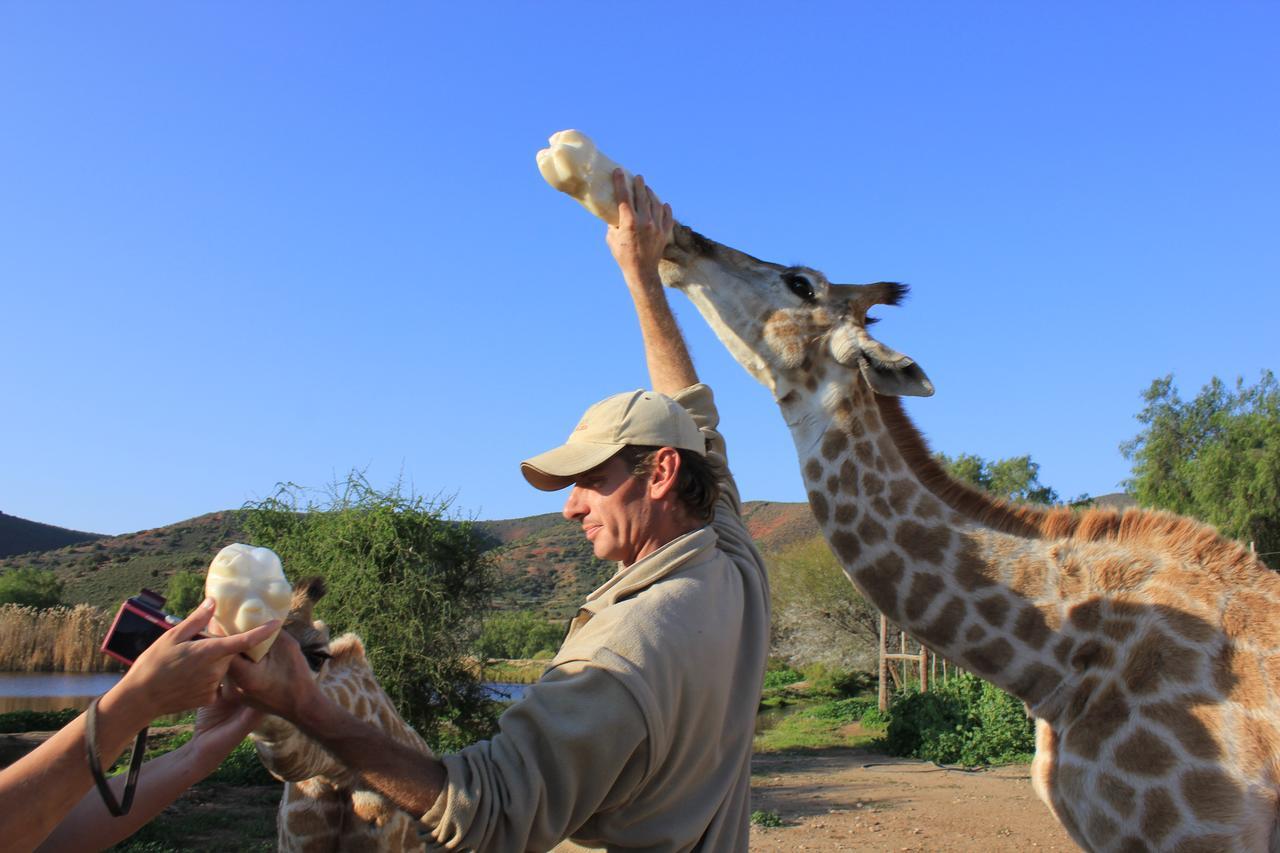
x: 775, y: 678
x: 520, y: 635
x: 965, y: 720
x: 765, y: 819
x: 184, y: 592
x: 36, y: 721
x: 30, y: 587
x: 413, y: 583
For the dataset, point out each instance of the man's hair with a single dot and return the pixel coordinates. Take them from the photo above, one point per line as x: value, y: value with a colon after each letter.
x: 696, y: 485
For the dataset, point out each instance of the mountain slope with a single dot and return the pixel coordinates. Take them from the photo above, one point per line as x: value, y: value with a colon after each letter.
x: 20, y: 536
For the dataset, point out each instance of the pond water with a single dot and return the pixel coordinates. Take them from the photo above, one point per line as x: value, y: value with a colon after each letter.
x: 53, y: 691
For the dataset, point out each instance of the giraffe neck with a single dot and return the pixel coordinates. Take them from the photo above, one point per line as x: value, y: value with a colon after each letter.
x: 982, y: 598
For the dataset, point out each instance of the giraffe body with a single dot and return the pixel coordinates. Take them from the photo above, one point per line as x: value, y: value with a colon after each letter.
x: 1145, y: 644
x: 325, y: 806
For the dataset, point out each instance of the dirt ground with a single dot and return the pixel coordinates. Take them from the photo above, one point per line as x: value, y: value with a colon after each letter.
x: 850, y: 799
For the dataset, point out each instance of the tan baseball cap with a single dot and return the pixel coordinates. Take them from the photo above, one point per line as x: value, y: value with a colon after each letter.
x: 644, y: 418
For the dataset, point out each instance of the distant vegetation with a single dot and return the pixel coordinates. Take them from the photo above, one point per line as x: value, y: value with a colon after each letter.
x: 55, y: 639
x: 522, y: 634
x: 19, y: 536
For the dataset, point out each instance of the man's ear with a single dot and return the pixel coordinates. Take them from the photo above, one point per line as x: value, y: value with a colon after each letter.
x: 664, y: 472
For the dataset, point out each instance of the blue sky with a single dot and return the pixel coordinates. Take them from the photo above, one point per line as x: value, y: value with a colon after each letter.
x: 243, y: 243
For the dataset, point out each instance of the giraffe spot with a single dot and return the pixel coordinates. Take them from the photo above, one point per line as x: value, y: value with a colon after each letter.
x: 900, y: 494
x: 1247, y: 679
x: 928, y: 544
x: 811, y: 383
x: 1028, y: 576
x: 881, y: 508
x: 975, y: 634
x: 813, y: 470
x: 1092, y: 654
x: 1118, y: 629
x: 990, y: 658
x: 1035, y: 682
x: 1087, y: 615
x: 856, y: 429
x: 924, y: 589
x: 1062, y: 651
x: 833, y: 485
x: 863, y: 451
x: 848, y: 549
x: 1080, y: 698
x: 1177, y: 716
x: 849, y: 479
x: 1102, y: 718
x: 1190, y: 627
x: 1118, y: 794
x: 994, y: 609
x: 1160, y: 815
x: 1030, y: 627
x: 846, y: 513
x: 818, y: 502
x: 972, y: 572
x: 928, y: 508
x: 1129, y: 844
x: 1212, y: 795
x: 872, y: 531
x: 1207, y: 844
x: 834, y: 444
x: 889, y: 452
x: 363, y: 709
x: 1157, y: 656
x: 942, y: 630
x: 881, y: 466
x: 1144, y: 754
x: 880, y: 582
x: 1102, y: 829
x: 872, y: 484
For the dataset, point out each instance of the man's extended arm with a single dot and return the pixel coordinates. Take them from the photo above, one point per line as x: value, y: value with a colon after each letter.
x: 637, y: 242
x: 282, y: 684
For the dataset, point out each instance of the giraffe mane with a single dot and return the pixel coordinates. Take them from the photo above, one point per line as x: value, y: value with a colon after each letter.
x: 1183, y: 535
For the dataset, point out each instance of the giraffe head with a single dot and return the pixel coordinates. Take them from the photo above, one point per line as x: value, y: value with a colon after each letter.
x: 789, y: 325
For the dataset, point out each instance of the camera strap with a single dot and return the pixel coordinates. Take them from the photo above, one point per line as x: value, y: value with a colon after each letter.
x: 118, y: 809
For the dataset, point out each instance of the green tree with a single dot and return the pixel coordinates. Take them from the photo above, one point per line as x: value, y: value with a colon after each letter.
x: 819, y: 617
x: 184, y: 592
x: 30, y: 587
x: 411, y: 581
x: 1016, y: 478
x: 1216, y: 457
x: 518, y: 635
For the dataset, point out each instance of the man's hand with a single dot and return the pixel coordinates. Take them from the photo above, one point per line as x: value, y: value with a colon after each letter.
x: 281, y: 683
x: 642, y: 233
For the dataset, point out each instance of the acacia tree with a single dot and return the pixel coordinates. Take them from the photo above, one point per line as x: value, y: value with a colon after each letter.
x: 1016, y: 478
x: 1216, y: 457
x: 819, y: 617
x: 412, y: 582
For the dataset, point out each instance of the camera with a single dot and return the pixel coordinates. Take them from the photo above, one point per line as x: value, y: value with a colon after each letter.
x: 139, y: 623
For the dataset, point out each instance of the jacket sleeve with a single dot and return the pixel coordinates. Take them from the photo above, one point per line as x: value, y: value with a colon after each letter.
x: 732, y: 533
x: 575, y: 745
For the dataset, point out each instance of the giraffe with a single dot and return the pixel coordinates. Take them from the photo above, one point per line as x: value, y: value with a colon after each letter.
x: 324, y: 806
x: 1144, y: 644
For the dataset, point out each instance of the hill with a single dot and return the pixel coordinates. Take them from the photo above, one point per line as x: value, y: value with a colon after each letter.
x: 544, y: 560
x: 20, y: 536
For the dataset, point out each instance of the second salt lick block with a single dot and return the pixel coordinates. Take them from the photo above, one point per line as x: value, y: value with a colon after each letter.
x: 250, y: 588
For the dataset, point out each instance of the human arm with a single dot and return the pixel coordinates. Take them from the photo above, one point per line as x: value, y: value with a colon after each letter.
x: 171, y: 676
x: 637, y: 242
x: 89, y: 826
x: 282, y: 684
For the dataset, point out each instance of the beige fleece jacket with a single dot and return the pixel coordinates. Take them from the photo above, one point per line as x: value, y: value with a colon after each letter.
x: 639, y: 735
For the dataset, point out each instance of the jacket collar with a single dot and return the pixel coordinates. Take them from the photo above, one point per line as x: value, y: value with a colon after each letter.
x: 645, y: 572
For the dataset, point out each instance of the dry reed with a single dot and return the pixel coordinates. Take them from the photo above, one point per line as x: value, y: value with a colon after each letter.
x: 57, y: 639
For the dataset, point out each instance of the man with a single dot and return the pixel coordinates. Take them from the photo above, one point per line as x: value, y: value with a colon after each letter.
x: 639, y: 735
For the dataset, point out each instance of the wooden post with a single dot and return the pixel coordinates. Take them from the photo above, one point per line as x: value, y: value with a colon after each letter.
x: 884, y: 662
x: 924, y: 669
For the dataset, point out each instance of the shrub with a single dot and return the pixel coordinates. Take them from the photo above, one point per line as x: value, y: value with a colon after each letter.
x: 30, y: 587
x: 765, y: 819
x: 36, y: 721
x: 775, y: 678
x: 965, y: 720
x: 519, y: 635
x: 184, y: 592
x: 412, y: 582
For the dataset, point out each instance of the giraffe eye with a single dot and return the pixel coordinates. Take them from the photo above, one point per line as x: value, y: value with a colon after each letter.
x: 800, y: 286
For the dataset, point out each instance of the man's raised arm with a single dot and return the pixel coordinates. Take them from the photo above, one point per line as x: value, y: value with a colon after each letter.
x: 637, y: 242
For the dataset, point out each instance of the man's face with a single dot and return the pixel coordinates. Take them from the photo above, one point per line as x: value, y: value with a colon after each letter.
x: 615, y: 511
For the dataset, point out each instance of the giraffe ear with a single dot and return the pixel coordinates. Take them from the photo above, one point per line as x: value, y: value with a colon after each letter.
x: 888, y: 371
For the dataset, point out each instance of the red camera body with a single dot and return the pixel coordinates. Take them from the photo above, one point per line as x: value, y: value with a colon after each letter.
x: 139, y: 623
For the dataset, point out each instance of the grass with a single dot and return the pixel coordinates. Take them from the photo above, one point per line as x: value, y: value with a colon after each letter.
x: 212, y: 817
x: 515, y: 671
x: 57, y: 639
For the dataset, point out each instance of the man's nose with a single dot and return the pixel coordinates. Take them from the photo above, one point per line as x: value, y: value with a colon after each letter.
x: 573, y: 507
